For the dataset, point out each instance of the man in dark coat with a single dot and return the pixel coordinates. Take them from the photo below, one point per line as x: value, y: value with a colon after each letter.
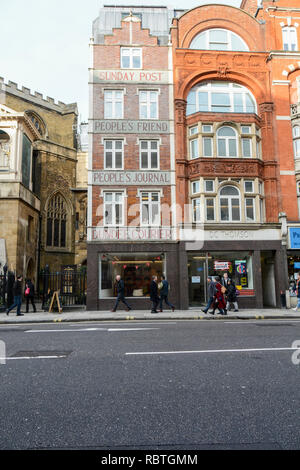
x: 164, y: 292
x: 120, y: 294
x: 154, y: 294
x: 29, y: 296
x: 211, y: 290
x: 17, y: 297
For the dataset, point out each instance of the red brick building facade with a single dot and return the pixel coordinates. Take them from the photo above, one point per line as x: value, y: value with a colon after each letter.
x: 219, y: 151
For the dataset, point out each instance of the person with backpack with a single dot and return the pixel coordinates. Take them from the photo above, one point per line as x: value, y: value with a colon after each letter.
x: 29, y: 295
x: 219, y: 300
x: 164, y: 292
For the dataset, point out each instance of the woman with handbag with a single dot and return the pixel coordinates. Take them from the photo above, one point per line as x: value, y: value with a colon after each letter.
x: 219, y: 300
x: 29, y: 295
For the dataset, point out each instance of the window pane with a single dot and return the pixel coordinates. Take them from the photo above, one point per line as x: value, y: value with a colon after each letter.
x: 232, y: 148
x: 220, y: 102
x: 63, y: 234
x: 193, y: 130
x: 155, y: 214
x: 144, y: 145
x: 249, y: 186
x: 226, y: 132
x: 108, y: 110
x: 119, y: 214
x: 207, y: 147
x: 217, y: 35
x: 237, y: 44
x: 153, y: 145
x: 238, y: 103
x: 119, y: 144
x: 143, y: 96
x: 250, y: 209
x: 235, y: 205
x: 195, y: 187
x: 118, y: 110
x: 224, y: 209
x: 229, y: 191
x: 297, y: 147
x: 108, y: 197
x: 144, y: 160
x: 199, y: 42
x: 203, y: 101
x: 221, y: 148
x: 108, y: 144
x: 153, y: 110
x: 136, y: 62
x: 143, y: 111
x: 196, y: 210
x: 210, y: 209
x: 250, y: 107
x: 154, y: 160
x: 246, y: 147
x: 56, y: 232
x: 145, y: 214
x: 246, y: 129
x: 209, y: 185
x: 49, y: 232
x: 206, y: 128
x: 194, y: 148
x: 108, y: 160
x: 119, y: 160
x: 125, y: 62
x: 191, y: 103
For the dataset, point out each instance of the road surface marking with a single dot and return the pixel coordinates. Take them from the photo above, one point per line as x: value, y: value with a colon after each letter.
x: 90, y: 329
x: 207, y: 351
x: 30, y: 358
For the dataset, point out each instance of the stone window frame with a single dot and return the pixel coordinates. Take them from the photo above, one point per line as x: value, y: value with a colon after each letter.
x: 200, y: 137
x: 68, y: 229
x: 215, y: 87
x: 257, y: 196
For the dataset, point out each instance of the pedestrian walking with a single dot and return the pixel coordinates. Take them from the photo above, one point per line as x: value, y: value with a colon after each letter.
x: 29, y: 295
x: 164, y: 293
x: 225, y: 279
x: 231, y: 296
x: 154, y: 294
x: 17, y: 290
x: 211, y: 289
x: 120, y: 286
x: 298, y: 293
x: 219, y: 300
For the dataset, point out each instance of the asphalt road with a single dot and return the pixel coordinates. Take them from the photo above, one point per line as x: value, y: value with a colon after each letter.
x: 158, y: 385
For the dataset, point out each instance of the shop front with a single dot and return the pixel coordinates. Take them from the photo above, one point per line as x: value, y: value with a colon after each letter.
x: 136, y: 263
x: 254, y: 259
x: 293, y: 258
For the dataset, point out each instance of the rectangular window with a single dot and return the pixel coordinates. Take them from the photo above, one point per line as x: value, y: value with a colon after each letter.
x: 113, y: 154
x: 195, y: 187
x: 246, y: 148
x: 249, y: 206
x: 113, y: 208
x: 207, y: 146
x: 113, y: 104
x: 239, y: 265
x: 258, y: 152
x: 261, y: 210
x: 249, y: 186
x: 289, y: 38
x: 194, y: 130
x: 131, y: 58
x: 209, y: 186
x: 246, y: 130
x: 224, y: 209
x: 194, y: 148
x: 206, y: 128
x: 148, y: 104
x: 210, y: 209
x: 196, y: 210
x: 149, y: 155
x: 235, y: 208
x: 150, y: 208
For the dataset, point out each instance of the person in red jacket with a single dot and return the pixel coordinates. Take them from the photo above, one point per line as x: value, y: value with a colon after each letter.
x: 219, y: 300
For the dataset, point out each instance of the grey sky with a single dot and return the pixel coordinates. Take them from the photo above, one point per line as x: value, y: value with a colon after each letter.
x: 44, y: 44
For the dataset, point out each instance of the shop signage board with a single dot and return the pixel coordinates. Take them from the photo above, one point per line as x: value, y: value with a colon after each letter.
x: 131, y: 233
x: 241, y: 272
x: 128, y: 178
x: 294, y: 238
x: 131, y: 76
x: 196, y: 279
x: 222, y: 265
x: 123, y: 126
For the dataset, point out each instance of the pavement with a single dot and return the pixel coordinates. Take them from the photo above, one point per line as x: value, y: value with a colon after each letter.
x: 82, y: 315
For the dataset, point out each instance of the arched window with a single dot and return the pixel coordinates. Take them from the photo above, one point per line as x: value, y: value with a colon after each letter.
x: 4, y: 149
x: 220, y: 97
x: 230, y: 204
x: 57, y: 222
x: 227, y: 142
x: 289, y: 39
x: 37, y: 122
x: 218, y: 40
x: 296, y: 138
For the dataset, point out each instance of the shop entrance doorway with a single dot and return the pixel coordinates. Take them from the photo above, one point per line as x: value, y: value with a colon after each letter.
x: 268, y: 278
x: 197, y: 269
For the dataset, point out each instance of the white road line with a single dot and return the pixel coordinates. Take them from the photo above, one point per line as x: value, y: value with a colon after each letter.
x: 214, y: 351
x: 90, y: 329
x: 30, y: 358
